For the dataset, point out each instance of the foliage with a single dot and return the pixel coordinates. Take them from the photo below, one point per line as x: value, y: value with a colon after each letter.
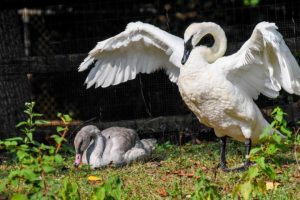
x: 110, y: 190
x: 251, y: 2
x: 173, y: 152
x: 70, y: 190
x: 204, y: 189
x: 35, y: 160
x: 176, y: 172
x: 254, y: 182
x: 176, y: 192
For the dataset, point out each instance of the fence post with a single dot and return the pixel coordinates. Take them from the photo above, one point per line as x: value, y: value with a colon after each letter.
x: 14, y: 88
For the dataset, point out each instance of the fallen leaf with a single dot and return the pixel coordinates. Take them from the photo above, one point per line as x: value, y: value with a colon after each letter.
x: 205, y: 169
x: 164, y: 178
x: 162, y: 192
x: 279, y: 171
x: 183, y: 173
x: 94, y: 179
x: 153, y: 164
x: 175, y: 172
x: 271, y: 185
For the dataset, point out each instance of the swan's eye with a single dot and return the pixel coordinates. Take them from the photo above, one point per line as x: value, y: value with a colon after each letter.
x: 206, y: 40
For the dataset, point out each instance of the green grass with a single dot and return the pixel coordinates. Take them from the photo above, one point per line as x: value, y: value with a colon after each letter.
x: 171, y: 173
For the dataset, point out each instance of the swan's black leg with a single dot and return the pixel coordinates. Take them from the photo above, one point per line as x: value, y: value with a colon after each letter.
x: 248, y: 144
x: 222, y: 164
x: 247, y: 163
x: 223, y: 158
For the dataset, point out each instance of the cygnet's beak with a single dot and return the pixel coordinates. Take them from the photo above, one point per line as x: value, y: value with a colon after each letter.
x: 77, y: 160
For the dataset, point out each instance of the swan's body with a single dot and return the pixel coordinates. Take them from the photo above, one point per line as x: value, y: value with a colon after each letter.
x: 219, y: 104
x: 219, y: 90
x: 113, y: 146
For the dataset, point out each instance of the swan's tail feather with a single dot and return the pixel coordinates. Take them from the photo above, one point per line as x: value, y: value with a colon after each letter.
x: 274, y: 131
x: 135, y: 154
x: 268, y: 128
x: 141, y: 151
x: 264, y: 127
x: 149, y: 144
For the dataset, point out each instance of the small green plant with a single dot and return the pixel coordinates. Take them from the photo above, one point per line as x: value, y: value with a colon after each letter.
x: 176, y: 192
x: 34, y: 160
x: 110, y: 190
x: 171, y: 150
x: 204, y: 189
x: 61, y: 130
x: 70, y: 190
x: 253, y: 182
x: 251, y: 2
x: 279, y: 123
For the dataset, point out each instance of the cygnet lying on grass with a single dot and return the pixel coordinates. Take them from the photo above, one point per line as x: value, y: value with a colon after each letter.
x: 114, y: 146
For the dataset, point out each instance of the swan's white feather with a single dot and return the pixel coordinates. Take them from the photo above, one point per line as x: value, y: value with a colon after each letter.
x: 141, y: 48
x: 264, y: 64
x: 220, y: 90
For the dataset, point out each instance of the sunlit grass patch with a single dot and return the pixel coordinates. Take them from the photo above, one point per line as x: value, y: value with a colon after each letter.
x: 171, y: 173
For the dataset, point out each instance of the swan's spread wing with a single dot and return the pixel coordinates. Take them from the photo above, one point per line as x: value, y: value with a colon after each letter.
x: 141, y: 48
x: 264, y: 64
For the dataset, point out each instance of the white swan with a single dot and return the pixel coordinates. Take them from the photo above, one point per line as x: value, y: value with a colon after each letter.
x: 116, y: 146
x: 219, y: 90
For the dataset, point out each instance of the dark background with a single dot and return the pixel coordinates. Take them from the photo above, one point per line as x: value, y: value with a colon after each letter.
x: 74, y: 27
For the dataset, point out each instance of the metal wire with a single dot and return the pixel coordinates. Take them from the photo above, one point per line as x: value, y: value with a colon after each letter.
x: 76, y: 28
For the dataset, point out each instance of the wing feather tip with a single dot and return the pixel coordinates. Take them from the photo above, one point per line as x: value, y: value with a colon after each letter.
x: 265, y: 25
x: 86, y: 63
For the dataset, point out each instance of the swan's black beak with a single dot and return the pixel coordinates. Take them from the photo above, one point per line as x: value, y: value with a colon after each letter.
x: 186, y: 55
x: 187, y: 50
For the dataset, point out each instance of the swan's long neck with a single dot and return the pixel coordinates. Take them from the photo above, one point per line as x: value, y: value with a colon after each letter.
x: 193, y: 35
x: 220, y: 45
x: 95, y: 150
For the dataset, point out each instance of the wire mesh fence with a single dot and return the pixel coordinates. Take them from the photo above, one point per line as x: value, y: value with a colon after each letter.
x: 74, y: 28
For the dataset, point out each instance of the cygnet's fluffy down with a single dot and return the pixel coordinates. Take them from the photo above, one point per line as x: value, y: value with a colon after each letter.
x: 114, y: 146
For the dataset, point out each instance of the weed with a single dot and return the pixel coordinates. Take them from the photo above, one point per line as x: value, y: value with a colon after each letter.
x: 261, y: 180
x: 70, y: 190
x: 35, y: 160
x: 110, y: 190
x: 204, y: 189
x: 178, y: 173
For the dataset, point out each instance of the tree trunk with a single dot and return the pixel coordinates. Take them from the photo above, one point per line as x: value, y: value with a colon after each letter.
x: 14, y: 88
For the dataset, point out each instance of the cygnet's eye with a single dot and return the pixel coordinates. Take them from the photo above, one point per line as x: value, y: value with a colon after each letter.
x: 78, y: 149
x: 207, y: 40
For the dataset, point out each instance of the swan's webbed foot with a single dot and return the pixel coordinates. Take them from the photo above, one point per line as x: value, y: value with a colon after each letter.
x: 223, y: 167
x: 242, y: 168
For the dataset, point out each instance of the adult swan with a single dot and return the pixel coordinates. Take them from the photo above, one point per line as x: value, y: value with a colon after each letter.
x: 219, y: 90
